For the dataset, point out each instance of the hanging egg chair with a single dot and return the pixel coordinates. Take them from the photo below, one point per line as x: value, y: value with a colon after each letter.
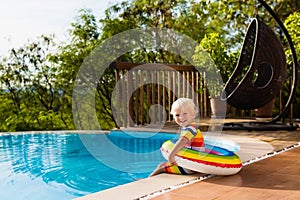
x: 260, y: 74
x: 260, y: 71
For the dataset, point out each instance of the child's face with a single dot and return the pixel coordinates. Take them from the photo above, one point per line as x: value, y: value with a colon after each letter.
x: 183, y: 117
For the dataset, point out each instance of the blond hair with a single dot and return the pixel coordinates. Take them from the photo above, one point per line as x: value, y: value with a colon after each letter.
x: 184, y: 104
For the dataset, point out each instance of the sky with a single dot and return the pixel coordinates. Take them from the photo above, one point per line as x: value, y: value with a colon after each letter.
x: 23, y: 20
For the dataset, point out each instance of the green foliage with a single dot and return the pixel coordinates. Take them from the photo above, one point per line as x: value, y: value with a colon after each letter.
x: 214, y: 58
x: 29, y: 80
x: 292, y: 24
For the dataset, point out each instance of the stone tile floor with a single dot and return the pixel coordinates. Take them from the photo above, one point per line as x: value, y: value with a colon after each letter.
x: 277, y: 177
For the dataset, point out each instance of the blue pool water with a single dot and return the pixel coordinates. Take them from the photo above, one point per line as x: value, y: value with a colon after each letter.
x: 65, y: 166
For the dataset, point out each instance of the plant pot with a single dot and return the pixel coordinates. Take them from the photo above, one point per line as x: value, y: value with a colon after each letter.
x: 265, y: 112
x: 218, y: 108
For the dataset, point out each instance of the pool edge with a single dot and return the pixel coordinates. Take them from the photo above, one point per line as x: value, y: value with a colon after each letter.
x: 142, y: 188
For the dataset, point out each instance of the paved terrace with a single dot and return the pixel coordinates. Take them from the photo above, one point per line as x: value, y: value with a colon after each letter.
x: 277, y: 177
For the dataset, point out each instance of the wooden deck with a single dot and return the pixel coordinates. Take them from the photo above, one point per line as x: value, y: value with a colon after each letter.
x: 277, y: 177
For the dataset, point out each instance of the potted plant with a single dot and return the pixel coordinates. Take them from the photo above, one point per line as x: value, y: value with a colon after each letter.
x: 265, y: 112
x: 212, y: 56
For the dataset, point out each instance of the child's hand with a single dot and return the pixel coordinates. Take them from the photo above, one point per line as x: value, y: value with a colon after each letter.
x: 172, y: 161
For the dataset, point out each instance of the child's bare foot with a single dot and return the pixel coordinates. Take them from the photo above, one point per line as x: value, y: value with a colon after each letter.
x: 159, y: 169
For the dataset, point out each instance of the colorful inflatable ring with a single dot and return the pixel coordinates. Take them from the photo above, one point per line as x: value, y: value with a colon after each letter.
x: 215, y: 160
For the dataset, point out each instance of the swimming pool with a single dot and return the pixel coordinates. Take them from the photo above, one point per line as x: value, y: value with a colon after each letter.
x: 65, y: 166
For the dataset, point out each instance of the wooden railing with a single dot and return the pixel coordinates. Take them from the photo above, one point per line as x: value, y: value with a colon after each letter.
x: 145, y: 92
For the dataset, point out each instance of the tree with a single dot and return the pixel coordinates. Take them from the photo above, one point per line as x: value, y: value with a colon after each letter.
x: 223, y: 62
x: 28, y: 79
x: 84, y: 36
x: 38, y: 83
x: 292, y: 25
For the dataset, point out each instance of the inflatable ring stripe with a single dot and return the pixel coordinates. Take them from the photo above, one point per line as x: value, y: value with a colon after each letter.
x: 215, y: 160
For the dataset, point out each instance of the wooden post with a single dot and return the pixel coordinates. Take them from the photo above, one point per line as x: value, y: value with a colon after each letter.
x: 153, y: 74
x: 130, y: 118
x: 170, y: 93
x: 158, y: 96
x: 148, y: 95
x: 117, y: 108
x: 136, y: 98
x: 124, y: 97
x: 164, y: 95
x: 142, y: 97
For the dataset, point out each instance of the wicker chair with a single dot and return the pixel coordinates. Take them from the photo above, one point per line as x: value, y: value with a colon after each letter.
x: 261, y: 69
x: 260, y: 73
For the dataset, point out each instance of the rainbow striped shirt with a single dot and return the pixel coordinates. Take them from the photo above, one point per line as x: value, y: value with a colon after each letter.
x: 194, y: 135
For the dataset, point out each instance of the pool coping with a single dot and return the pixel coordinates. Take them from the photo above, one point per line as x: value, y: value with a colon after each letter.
x: 137, y: 129
x: 141, y: 188
x: 56, y: 132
